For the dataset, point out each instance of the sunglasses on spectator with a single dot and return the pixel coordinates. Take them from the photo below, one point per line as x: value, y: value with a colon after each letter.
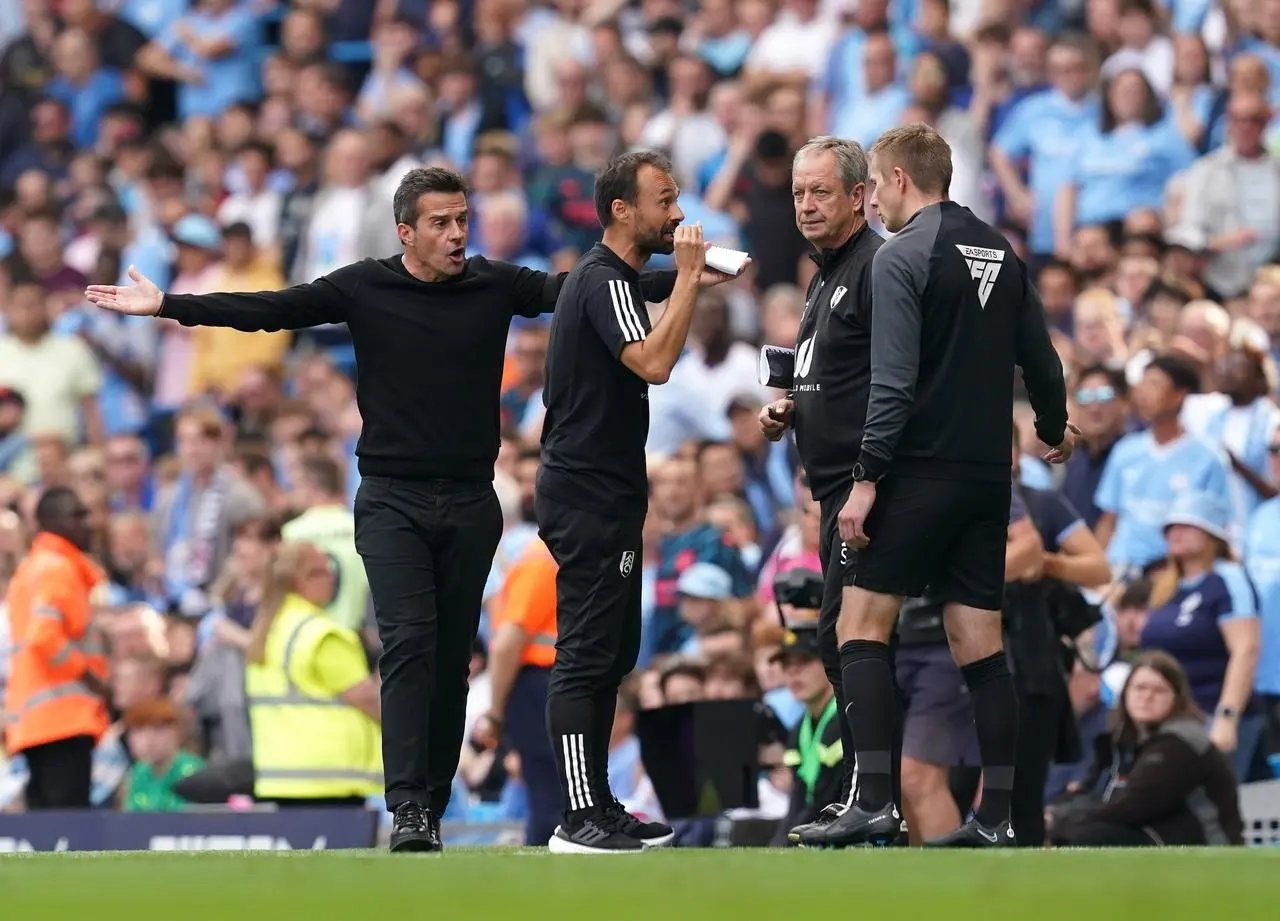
x: 1087, y: 396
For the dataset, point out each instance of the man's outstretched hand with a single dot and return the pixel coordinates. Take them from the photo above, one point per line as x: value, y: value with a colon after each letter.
x: 1062, y: 453
x: 140, y: 299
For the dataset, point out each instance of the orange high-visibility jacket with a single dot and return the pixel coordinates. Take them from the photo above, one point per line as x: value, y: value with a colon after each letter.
x: 528, y: 598
x: 49, y: 612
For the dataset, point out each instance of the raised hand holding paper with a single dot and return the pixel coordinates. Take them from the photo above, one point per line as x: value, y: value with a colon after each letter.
x: 728, y: 261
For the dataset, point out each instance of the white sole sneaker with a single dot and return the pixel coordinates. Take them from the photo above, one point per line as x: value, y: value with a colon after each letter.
x: 559, y: 845
x: 664, y: 841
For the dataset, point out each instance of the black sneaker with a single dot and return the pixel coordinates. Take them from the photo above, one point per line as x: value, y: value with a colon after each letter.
x: 973, y: 834
x: 651, y: 834
x: 415, y: 830
x: 857, y: 827
x: 594, y: 836
x: 811, y: 832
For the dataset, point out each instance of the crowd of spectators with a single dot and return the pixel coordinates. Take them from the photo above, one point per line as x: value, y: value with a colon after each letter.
x: 1129, y: 149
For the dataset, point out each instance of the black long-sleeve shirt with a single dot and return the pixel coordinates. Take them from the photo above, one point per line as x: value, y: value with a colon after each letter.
x: 429, y: 355
x: 953, y: 313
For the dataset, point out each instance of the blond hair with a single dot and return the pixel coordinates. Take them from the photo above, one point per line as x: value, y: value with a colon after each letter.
x: 920, y: 152
x: 280, y: 581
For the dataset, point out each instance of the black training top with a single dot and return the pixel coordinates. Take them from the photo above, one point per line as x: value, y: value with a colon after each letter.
x: 597, y: 419
x: 953, y: 312
x: 833, y: 363
x: 429, y: 355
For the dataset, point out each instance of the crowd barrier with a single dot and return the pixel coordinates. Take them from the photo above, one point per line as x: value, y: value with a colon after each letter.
x: 284, y: 830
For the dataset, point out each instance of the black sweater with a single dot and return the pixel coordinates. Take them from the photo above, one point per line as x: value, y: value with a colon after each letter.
x: 953, y: 312
x: 429, y: 356
x: 1175, y: 785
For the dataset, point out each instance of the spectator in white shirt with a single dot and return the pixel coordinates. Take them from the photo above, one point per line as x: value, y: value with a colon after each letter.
x: 797, y: 44
x: 1142, y: 48
x: 1231, y: 200
x: 258, y: 205
x: 716, y: 365
x: 685, y: 128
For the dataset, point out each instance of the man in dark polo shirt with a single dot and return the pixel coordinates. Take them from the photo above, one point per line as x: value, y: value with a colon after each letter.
x: 1102, y: 395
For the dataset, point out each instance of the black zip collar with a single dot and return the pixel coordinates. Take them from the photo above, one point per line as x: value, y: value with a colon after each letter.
x: 829, y: 258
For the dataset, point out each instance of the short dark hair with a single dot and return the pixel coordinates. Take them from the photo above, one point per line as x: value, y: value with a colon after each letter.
x: 1060, y: 265
x: 1180, y: 372
x: 322, y: 472
x: 619, y: 180
x: 54, y: 504
x: 42, y: 216
x: 678, y: 666
x: 1115, y: 377
x: 267, y: 152
x: 421, y: 181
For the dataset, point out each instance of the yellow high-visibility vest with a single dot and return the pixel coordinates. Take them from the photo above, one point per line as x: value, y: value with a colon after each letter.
x: 307, y: 744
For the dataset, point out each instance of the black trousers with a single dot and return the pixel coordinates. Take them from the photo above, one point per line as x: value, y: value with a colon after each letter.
x: 61, y: 774
x: 427, y: 547
x: 527, y: 732
x: 1039, y: 727
x: 1102, y: 834
x: 597, y: 642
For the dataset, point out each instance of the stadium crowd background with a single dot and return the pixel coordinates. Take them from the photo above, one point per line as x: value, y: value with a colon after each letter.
x: 1130, y: 151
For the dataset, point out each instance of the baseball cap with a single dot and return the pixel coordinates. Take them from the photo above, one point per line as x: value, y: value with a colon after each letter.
x: 705, y: 580
x: 1200, y: 510
x: 198, y: 231
x: 799, y: 641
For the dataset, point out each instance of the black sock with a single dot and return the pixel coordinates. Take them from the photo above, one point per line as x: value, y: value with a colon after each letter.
x: 571, y: 728
x: 872, y: 711
x: 995, y: 714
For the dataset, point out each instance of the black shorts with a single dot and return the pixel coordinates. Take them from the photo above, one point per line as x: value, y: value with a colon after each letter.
x: 837, y: 572
x: 940, y: 538
x: 598, y: 594
x: 836, y: 558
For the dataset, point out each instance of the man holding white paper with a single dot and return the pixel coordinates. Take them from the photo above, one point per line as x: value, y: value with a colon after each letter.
x: 829, y: 378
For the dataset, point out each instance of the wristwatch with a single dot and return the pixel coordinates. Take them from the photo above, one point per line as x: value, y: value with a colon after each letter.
x: 860, y: 474
x: 1227, y: 713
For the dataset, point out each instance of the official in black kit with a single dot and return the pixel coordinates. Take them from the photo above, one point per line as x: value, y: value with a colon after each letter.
x: 592, y: 491
x: 430, y: 330
x: 953, y: 314
x: 827, y: 402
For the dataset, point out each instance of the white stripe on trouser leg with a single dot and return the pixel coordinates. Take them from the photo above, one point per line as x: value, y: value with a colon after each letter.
x: 583, y: 772
x: 579, y: 780
x: 574, y: 805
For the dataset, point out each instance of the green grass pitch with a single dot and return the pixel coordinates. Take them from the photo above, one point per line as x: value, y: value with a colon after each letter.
x: 701, y: 885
